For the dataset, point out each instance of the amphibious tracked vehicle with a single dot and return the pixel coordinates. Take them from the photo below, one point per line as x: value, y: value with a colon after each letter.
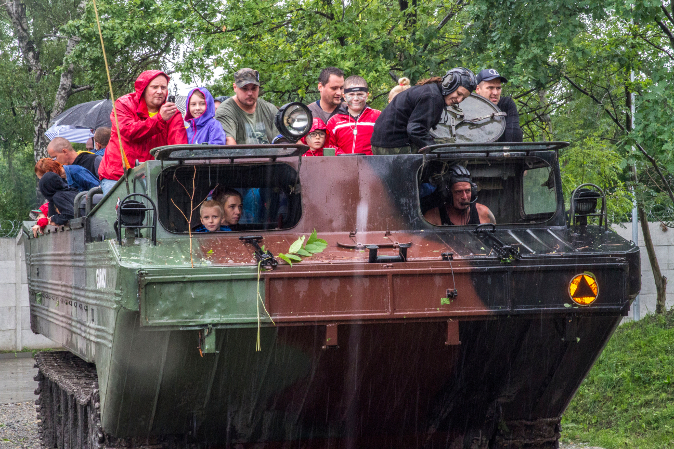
x: 398, y: 334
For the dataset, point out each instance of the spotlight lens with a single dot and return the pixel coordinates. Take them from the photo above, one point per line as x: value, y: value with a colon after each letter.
x: 296, y: 120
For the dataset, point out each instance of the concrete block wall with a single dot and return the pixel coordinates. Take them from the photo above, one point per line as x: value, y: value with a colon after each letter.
x: 15, y: 333
x: 663, y: 242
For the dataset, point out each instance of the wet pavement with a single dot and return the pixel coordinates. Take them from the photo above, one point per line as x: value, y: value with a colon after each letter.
x: 16, y: 378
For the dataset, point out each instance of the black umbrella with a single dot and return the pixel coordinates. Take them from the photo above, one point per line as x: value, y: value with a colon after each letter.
x: 92, y: 115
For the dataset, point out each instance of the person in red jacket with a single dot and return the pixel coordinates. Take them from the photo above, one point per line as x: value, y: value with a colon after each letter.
x: 350, y: 129
x: 146, y: 121
x: 316, y: 138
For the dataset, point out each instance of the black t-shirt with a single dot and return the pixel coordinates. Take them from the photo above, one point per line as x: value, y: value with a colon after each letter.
x: 89, y: 161
x: 513, y: 132
x: 409, y: 118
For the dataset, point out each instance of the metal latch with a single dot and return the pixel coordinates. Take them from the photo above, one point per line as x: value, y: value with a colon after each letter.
x: 506, y: 253
x: 265, y: 258
x: 401, y: 257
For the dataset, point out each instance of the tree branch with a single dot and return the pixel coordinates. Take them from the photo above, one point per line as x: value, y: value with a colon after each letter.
x: 583, y: 91
x: 666, y: 30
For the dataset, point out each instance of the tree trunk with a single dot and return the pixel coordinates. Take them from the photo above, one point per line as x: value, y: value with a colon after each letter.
x: 16, y: 10
x: 660, y: 280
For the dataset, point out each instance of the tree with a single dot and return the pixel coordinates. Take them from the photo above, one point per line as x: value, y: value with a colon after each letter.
x: 289, y: 42
x: 592, y: 51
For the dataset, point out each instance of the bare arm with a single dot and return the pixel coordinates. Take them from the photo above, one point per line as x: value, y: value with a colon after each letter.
x: 230, y: 140
x: 486, y: 216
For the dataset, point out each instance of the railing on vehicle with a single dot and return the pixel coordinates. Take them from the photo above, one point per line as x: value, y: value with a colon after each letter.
x: 196, y: 152
x: 492, y: 148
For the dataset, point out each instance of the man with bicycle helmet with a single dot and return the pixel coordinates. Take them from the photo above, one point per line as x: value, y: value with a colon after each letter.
x: 405, y: 124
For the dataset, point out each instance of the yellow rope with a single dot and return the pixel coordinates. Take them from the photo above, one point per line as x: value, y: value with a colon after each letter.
x: 125, y: 162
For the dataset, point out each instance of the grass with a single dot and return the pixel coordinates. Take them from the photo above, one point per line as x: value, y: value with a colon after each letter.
x: 627, y: 400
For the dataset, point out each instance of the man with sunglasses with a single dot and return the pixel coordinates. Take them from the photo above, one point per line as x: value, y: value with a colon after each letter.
x: 246, y: 118
x: 350, y: 129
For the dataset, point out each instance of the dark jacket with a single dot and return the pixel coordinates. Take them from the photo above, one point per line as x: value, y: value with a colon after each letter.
x: 88, y: 160
x: 60, y: 197
x: 409, y: 118
x: 513, y: 132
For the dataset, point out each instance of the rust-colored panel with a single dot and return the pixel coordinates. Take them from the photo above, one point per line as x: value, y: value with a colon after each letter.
x: 424, y: 292
x: 320, y: 296
x: 329, y: 202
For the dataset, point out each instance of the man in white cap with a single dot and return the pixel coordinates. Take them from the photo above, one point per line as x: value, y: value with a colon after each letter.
x: 489, y: 83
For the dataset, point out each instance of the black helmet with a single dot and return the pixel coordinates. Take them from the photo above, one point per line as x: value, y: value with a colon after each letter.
x: 455, y: 173
x: 458, y: 77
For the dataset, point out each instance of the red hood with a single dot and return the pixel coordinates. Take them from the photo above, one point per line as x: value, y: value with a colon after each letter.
x: 141, y: 83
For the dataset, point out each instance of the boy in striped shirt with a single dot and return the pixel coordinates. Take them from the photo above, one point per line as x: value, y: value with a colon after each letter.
x: 350, y: 129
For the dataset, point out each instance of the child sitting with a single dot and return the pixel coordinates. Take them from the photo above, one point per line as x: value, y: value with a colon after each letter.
x: 200, y: 118
x: 211, y: 215
x: 232, y: 203
x: 316, y: 138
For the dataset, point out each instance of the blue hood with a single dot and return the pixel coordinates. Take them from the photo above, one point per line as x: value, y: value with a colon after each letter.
x: 210, y: 107
x: 203, y: 129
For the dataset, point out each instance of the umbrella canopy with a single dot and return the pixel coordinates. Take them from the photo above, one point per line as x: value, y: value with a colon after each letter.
x: 89, y: 115
x: 78, y: 135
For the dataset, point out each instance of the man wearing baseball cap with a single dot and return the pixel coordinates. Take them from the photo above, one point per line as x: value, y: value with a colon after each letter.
x: 245, y: 117
x: 489, y: 83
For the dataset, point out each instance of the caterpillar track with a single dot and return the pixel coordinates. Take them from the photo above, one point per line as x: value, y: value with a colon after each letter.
x: 68, y: 408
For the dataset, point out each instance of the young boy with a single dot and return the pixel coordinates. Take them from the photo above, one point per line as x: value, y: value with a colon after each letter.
x: 316, y: 138
x: 211, y: 214
x: 350, y: 130
x: 232, y: 203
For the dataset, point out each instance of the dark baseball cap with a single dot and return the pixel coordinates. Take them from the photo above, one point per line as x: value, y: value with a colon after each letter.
x: 488, y: 75
x: 247, y: 76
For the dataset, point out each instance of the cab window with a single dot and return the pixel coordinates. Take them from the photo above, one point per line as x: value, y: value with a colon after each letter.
x: 269, y: 194
x: 515, y: 189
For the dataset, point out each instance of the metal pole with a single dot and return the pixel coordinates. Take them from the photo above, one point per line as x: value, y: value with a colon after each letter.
x: 636, y: 312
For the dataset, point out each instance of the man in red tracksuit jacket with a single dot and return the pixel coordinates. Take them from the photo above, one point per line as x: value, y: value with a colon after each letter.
x: 350, y: 129
x: 146, y: 121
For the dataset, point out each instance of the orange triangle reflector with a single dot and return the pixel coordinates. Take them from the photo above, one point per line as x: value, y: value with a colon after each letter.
x: 583, y: 289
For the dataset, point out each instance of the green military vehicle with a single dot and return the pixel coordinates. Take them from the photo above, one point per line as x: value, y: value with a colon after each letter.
x: 391, y: 332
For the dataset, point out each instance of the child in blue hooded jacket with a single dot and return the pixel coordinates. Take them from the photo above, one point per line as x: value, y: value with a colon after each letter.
x: 201, y: 124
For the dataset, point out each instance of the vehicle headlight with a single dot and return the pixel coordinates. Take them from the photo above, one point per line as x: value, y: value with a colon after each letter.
x: 293, y: 121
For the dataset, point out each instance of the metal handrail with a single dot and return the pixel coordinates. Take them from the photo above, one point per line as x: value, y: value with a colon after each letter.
x: 168, y: 152
x: 491, y: 147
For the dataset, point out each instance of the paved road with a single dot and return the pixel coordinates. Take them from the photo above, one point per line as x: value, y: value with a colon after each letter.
x: 16, y: 380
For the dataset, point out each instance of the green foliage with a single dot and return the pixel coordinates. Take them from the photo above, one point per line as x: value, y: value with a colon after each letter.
x: 627, y: 400
x: 290, y: 42
x: 595, y: 161
x: 313, y: 245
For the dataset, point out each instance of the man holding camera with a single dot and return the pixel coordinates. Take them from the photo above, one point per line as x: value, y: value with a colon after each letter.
x: 146, y: 121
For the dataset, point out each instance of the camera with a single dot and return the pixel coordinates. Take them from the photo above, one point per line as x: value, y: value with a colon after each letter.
x: 171, y: 99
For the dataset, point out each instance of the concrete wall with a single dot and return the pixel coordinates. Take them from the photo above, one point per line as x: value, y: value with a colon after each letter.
x: 15, y: 333
x: 663, y: 241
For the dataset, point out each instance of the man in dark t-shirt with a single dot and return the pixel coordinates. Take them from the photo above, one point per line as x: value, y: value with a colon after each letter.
x: 489, y: 83
x: 62, y: 151
x: 331, y: 88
